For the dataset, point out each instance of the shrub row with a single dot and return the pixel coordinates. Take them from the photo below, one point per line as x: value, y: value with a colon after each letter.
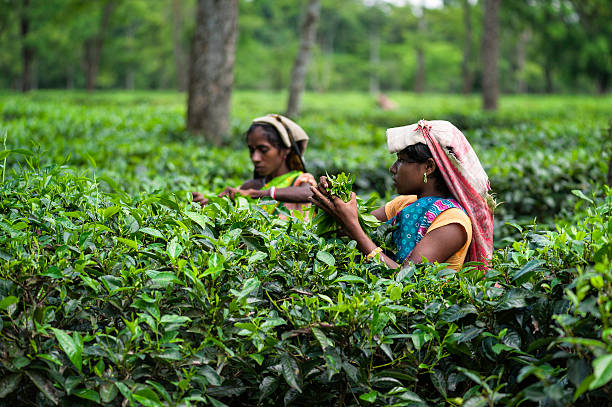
x: 115, y: 298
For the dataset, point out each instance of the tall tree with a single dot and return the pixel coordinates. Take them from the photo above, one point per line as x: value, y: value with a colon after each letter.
x: 467, y: 47
x: 521, y: 51
x: 93, y: 45
x: 180, y: 57
x: 27, y: 51
x: 490, y: 54
x: 211, y: 68
x: 298, y: 74
x: 419, y: 78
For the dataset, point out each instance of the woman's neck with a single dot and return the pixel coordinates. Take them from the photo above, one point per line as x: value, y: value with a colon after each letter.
x: 282, y: 170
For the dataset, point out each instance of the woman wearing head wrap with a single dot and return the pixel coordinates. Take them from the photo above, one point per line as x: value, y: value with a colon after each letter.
x: 276, y: 147
x: 444, y: 212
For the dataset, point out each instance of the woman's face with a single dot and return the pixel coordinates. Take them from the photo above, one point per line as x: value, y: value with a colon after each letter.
x: 266, y: 158
x: 408, y: 175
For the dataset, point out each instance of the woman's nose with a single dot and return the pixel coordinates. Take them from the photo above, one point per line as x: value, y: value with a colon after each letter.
x: 256, y: 157
x: 393, y: 169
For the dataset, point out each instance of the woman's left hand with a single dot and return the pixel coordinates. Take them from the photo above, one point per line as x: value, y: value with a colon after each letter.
x: 346, y: 212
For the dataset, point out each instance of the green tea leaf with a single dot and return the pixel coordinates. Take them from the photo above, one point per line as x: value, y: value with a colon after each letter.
x: 350, y: 279
x: 326, y: 258
x: 290, y: 371
x: 71, y: 346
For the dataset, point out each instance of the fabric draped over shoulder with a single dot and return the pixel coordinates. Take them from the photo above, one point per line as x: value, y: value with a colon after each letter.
x: 463, y: 173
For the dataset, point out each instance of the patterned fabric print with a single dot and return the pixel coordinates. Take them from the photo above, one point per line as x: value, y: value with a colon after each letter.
x: 413, y: 222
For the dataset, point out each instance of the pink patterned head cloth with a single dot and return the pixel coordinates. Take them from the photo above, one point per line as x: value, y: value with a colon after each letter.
x: 463, y: 173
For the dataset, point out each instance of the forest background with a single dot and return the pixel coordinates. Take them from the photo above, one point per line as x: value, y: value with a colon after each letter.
x: 545, y: 45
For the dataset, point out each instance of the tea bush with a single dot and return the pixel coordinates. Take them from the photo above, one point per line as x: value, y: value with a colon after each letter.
x: 106, y: 297
x: 116, y: 290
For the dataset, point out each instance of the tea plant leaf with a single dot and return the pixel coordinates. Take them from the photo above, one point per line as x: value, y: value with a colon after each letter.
x: 8, y: 301
x: 602, y: 371
x: 198, y: 218
x: 163, y: 278
x: 153, y: 232
x: 128, y: 242
x: 323, y: 340
x: 174, y: 249
x: 581, y: 195
x: 290, y: 371
x: 248, y: 287
x: 326, y: 258
x: 369, y: 397
x: 525, y: 272
x: 88, y: 394
x: 256, y: 257
x: 147, y: 398
x: 45, y: 386
x: 72, y: 346
x: 8, y: 384
x: 108, y: 392
x: 267, y: 386
x: 350, y: 279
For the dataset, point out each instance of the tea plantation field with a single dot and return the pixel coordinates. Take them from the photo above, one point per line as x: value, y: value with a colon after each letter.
x: 116, y: 290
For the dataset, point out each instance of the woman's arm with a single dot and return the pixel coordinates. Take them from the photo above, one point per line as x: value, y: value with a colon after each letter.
x: 380, y: 214
x: 439, y: 244
x: 299, y: 194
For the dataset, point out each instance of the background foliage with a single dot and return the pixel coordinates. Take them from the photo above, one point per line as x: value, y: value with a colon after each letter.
x: 546, y: 45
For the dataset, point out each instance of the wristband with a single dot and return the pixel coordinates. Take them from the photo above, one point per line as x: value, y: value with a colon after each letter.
x: 373, y: 253
x: 273, y: 193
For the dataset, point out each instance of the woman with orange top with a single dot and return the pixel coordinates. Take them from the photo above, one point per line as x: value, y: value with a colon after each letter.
x: 444, y: 212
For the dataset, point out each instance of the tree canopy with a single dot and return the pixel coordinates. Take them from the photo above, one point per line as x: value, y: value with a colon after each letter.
x: 545, y: 45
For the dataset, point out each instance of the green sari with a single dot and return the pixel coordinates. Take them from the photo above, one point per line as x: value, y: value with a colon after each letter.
x: 282, y: 181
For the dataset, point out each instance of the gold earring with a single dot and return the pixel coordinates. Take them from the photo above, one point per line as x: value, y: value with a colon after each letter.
x: 425, y: 178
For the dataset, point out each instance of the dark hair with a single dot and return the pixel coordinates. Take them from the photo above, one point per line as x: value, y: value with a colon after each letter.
x: 271, y: 134
x: 420, y: 153
x: 293, y: 160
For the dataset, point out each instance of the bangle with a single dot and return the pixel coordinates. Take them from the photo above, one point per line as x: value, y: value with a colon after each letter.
x: 373, y: 253
x: 273, y: 193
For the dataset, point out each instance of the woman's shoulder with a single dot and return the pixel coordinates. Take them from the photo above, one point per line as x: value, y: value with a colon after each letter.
x: 393, y: 207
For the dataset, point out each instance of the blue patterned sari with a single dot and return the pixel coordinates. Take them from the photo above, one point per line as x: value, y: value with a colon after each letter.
x: 414, y: 220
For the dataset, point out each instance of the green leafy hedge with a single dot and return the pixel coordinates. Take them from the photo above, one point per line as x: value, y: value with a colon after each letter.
x: 110, y: 296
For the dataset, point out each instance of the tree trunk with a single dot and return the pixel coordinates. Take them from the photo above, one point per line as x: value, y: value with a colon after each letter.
x: 419, y: 79
x: 603, y: 83
x: 93, y: 46
x: 298, y: 74
x: 130, y: 79
x: 70, y: 76
x: 490, y: 54
x: 374, y: 60
x: 467, y: 47
x: 211, y: 68
x: 548, y: 83
x: 26, y: 49
x: 521, y: 45
x: 180, y: 57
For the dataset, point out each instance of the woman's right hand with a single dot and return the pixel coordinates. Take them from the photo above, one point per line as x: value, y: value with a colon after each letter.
x: 199, y: 198
x: 230, y: 192
x: 346, y: 212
